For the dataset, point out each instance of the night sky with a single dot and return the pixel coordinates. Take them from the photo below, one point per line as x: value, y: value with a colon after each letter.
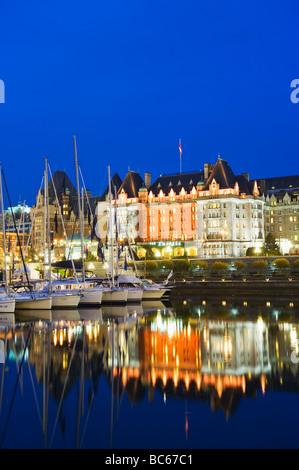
x: 130, y: 78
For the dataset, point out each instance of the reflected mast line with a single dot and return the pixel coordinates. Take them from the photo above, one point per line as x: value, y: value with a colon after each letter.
x: 15, y: 387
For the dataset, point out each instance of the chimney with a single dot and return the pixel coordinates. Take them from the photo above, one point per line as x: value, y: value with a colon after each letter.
x: 147, y: 180
x: 246, y: 176
x: 206, y: 171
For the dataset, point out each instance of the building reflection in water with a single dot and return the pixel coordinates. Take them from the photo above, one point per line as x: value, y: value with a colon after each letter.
x: 208, y: 352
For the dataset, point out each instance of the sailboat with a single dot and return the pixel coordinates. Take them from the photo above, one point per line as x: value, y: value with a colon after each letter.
x: 89, y: 293
x: 7, y: 302
x: 59, y: 298
x: 114, y: 294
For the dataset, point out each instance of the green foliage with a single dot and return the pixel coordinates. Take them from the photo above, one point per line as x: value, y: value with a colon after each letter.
x: 296, y: 263
x: 182, y: 265
x: 251, y: 251
x: 167, y: 264
x: 151, y: 265
x: 281, y: 263
x: 220, y: 266
x: 200, y: 264
x: 260, y: 264
x: 239, y: 265
x: 270, y: 247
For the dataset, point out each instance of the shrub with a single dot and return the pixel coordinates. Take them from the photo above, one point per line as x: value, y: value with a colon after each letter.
x: 219, y: 266
x: 167, y: 264
x: 151, y: 265
x: 296, y: 263
x: 260, y: 264
x: 200, y: 264
x: 281, y: 263
x: 239, y: 265
x: 251, y: 251
x: 182, y: 265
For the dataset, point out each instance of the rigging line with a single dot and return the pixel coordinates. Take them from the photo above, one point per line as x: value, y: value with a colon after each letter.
x: 84, y: 187
x: 62, y: 221
x: 64, y: 387
x: 15, y: 388
x: 72, y: 237
x: 3, y: 370
x: 33, y: 387
x: 19, y: 229
x: 14, y: 221
x: 33, y: 218
x: 87, y: 419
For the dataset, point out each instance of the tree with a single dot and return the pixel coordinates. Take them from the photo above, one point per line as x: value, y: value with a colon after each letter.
x: 281, y: 264
x: 220, y: 267
x: 296, y: 263
x: 270, y: 247
x: 182, y: 265
x: 151, y: 265
x: 201, y: 264
x: 239, y: 265
x: 260, y: 265
x: 167, y: 264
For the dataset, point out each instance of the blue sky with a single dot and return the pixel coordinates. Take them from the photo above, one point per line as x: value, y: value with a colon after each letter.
x: 130, y: 78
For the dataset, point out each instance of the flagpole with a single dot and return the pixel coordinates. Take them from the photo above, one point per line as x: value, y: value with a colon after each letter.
x: 79, y: 209
x: 180, y: 148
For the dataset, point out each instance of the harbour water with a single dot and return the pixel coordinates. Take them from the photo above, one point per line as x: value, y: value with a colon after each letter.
x: 199, y: 373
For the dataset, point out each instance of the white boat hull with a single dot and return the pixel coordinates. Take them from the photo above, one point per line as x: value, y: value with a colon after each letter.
x: 135, y: 295
x: 34, y: 304
x: 7, y: 305
x: 91, y: 297
x: 65, y: 301
x: 156, y: 294
x: 115, y: 296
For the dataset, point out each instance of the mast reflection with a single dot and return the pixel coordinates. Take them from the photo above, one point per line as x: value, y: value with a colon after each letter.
x: 201, y: 354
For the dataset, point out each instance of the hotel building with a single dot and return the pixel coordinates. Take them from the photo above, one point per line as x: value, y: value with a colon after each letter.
x: 210, y: 213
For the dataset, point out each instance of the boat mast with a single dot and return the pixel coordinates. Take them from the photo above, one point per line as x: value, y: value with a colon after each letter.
x: 111, y: 231
x: 4, y: 231
x: 48, y: 222
x: 79, y: 209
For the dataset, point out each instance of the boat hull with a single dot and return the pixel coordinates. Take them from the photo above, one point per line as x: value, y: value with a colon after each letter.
x: 135, y: 295
x: 115, y: 296
x: 154, y: 294
x: 65, y: 301
x: 34, y: 304
x: 7, y: 305
x: 91, y: 297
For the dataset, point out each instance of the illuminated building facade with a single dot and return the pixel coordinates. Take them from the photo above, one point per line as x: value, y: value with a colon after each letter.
x: 210, y: 213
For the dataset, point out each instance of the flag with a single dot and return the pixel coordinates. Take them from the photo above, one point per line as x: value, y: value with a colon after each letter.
x: 126, y: 264
x: 106, y: 243
x: 88, y: 215
x: 56, y: 222
x: 180, y: 147
x: 93, y: 232
x: 100, y: 252
x: 52, y: 240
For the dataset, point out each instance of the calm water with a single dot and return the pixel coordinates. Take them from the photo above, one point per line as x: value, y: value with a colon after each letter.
x: 204, y: 373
